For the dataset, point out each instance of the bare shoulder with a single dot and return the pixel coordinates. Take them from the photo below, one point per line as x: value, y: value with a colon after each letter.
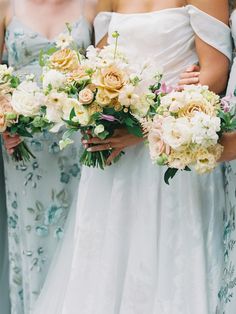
x: 105, y: 5
x: 216, y: 8
x: 93, y: 7
x: 5, y: 11
x: 4, y: 6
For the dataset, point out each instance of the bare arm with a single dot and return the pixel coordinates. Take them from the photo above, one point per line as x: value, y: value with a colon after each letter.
x: 10, y: 142
x: 4, y: 6
x: 213, y: 64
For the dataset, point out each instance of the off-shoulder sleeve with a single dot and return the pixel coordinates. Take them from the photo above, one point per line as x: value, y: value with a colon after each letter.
x: 101, y: 25
x: 211, y: 30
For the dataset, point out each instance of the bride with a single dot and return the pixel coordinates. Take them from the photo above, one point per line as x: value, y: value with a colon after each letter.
x: 140, y: 246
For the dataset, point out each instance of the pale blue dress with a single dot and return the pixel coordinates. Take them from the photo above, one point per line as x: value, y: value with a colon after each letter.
x: 4, y: 287
x: 227, y: 293
x: 40, y: 193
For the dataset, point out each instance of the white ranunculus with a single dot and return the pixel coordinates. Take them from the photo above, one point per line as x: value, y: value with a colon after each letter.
x: 68, y: 105
x: 174, y: 100
x: 92, y: 52
x: 127, y: 96
x: 53, y: 78
x: 176, y: 132
x: 82, y: 115
x: 5, y: 70
x: 99, y: 129
x: 27, y: 99
x: 54, y: 104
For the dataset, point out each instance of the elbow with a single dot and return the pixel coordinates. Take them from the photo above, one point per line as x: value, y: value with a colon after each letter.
x: 217, y: 82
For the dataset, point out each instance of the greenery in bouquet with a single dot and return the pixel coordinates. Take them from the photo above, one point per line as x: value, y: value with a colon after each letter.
x: 96, y: 94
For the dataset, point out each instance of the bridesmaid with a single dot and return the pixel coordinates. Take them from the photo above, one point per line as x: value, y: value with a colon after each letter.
x: 4, y: 285
x: 227, y: 293
x: 4, y: 288
x: 41, y: 193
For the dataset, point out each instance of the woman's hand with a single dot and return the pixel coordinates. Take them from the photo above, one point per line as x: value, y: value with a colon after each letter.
x: 190, y: 76
x: 118, y: 142
x: 228, y: 140
x: 10, y: 142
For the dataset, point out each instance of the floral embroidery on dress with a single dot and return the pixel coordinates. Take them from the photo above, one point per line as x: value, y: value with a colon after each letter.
x: 41, y: 193
x: 227, y: 291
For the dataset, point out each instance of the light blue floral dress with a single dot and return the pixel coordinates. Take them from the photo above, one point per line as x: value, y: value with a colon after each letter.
x: 4, y: 289
x: 4, y: 286
x: 227, y: 293
x: 39, y: 193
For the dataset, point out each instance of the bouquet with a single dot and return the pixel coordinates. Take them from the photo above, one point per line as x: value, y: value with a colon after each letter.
x: 185, y: 129
x: 96, y: 95
x: 21, y: 109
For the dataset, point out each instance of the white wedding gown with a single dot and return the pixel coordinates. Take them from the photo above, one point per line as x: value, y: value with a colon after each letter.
x: 140, y: 246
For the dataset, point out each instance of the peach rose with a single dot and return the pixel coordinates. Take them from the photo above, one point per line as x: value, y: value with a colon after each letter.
x: 78, y: 75
x: 191, y: 108
x: 5, y: 108
x: 65, y: 60
x: 86, y: 96
x: 5, y: 105
x: 3, y: 123
x: 112, y: 80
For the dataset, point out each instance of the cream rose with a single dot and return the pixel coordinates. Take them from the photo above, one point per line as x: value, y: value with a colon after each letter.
x: 86, y: 96
x: 65, y: 60
x: 176, y: 132
x: 27, y: 99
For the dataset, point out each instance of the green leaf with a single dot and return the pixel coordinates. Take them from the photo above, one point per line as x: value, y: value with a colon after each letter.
x: 135, y: 130
x: 15, y: 82
x: 72, y: 114
x: 41, y: 58
x: 129, y: 121
x: 23, y: 132
x: 103, y: 135
x: 187, y: 169
x: 72, y: 124
x: 169, y: 174
x: 51, y: 51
